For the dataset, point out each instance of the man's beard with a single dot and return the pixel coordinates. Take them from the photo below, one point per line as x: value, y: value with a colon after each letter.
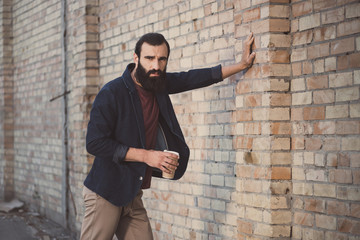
x: 152, y: 84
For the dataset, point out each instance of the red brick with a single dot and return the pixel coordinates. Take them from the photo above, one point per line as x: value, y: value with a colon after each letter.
x: 307, y: 67
x: 333, y: 16
x: 261, y: 173
x: 278, y: 11
x: 331, y: 144
x: 317, y: 82
x: 348, y: 61
x: 262, y: 26
x: 302, y: 8
x: 280, y: 173
x: 280, y: 99
x: 303, y: 218
x: 243, y: 143
x: 251, y: 15
x: 297, y: 114
x: 303, y: 37
x: 324, y: 96
x: 320, y: 5
x: 279, y: 25
x: 337, y: 208
x: 252, y: 128
x: 244, y: 171
x: 298, y: 55
x: 325, y: 222
x: 296, y: 69
x: 331, y: 160
x: 314, y: 205
x: 340, y: 176
x: 244, y: 227
x: 343, y: 62
x: 317, y: 51
x: 314, y: 113
x: 253, y: 100
x: 280, y: 158
x: 344, y: 160
x: 354, y: 60
x: 347, y: 127
x: 355, y: 210
x: 324, y: 33
x: 253, y: 72
x: 237, y: 19
x: 356, y: 229
x: 354, y: 159
x: 348, y: 28
x: 243, y: 115
x: 282, y: 128
x: 313, y: 144
x: 356, y: 176
x: 279, y: 56
x: 243, y: 87
x: 280, y: 143
x: 343, y: 46
x: 345, y: 225
x: 280, y: 85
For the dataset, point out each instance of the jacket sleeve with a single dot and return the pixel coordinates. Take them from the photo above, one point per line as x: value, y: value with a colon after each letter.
x: 193, y: 79
x: 100, y: 139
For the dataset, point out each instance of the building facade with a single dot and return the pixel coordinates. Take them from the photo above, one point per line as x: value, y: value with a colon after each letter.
x: 275, y: 150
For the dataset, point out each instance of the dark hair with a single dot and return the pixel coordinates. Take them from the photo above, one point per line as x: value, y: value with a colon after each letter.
x: 154, y: 39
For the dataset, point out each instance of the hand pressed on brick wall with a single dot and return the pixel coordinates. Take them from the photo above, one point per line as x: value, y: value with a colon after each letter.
x: 247, y: 59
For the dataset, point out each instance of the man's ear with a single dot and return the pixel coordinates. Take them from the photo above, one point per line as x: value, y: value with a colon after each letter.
x: 136, y: 59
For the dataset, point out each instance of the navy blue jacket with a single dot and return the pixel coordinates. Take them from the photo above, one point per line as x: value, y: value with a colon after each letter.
x: 116, y: 123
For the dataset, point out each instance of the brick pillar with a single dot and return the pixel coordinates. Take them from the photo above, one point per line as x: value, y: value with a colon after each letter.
x: 83, y: 82
x: 6, y: 103
x: 263, y: 130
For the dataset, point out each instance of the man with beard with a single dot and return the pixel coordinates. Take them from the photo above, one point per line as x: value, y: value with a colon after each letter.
x: 131, y: 122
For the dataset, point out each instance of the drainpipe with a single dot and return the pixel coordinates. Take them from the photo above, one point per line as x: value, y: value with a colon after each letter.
x: 65, y: 165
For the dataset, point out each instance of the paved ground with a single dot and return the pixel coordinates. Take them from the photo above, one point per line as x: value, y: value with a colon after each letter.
x: 26, y: 225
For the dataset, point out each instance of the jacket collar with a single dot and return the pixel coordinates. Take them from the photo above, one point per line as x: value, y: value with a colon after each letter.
x: 129, y: 82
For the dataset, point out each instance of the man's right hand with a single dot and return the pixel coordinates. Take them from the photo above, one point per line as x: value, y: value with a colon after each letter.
x: 162, y: 160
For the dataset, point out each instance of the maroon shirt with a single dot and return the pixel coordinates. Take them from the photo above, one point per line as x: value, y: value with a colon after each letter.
x: 150, y: 109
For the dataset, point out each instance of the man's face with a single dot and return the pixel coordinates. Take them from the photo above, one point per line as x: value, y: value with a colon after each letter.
x: 150, y: 69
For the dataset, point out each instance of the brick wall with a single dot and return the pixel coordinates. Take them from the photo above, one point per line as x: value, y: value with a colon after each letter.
x: 38, y: 143
x: 325, y: 108
x: 274, y: 150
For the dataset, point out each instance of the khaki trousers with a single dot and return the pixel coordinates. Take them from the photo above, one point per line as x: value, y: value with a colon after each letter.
x: 102, y: 219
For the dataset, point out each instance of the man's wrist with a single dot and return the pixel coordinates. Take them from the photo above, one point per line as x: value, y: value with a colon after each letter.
x: 136, y: 155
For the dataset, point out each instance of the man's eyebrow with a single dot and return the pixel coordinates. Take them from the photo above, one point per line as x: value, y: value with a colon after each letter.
x: 152, y: 57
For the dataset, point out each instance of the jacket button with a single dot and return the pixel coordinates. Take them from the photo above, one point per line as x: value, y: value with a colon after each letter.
x: 140, y: 178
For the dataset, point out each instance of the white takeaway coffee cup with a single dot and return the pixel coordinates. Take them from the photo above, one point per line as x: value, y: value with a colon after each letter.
x: 168, y: 175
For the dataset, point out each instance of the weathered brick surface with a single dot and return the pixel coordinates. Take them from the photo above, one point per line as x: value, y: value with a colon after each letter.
x: 37, y: 120
x: 274, y: 150
x: 324, y: 39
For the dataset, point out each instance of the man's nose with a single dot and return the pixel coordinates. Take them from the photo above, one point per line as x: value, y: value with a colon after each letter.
x: 156, y: 65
